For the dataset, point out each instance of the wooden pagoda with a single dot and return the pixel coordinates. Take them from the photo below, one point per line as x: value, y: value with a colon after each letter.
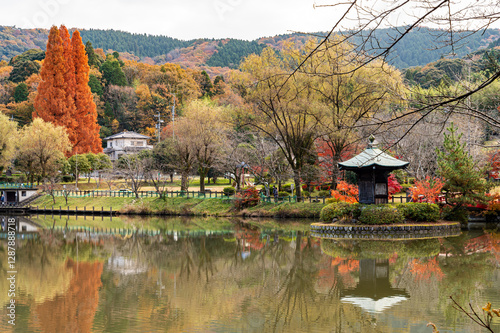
x: 372, y: 167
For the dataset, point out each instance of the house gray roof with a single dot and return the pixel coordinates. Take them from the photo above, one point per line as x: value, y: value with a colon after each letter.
x: 127, y: 135
x: 372, y: 156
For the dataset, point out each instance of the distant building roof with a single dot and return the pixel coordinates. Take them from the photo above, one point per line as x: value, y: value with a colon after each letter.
x: 372, y: 156
x: 127, y: 135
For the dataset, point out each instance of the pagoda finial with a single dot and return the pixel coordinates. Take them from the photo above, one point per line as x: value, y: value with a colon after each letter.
x: 372, y: 142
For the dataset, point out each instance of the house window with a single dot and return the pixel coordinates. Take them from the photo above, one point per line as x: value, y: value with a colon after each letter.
x: 23, y: 193
x: 110, y: 144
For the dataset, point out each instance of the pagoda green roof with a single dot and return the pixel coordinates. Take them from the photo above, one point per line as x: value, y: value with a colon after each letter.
x: 372, y: 157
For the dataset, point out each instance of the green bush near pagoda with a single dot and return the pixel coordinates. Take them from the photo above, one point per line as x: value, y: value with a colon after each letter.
x: 339, y: 210
x: 420, y: 211
x: 380, y: 214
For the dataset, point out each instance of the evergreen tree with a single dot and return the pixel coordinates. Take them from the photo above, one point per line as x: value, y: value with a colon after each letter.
x: 112, y: 73
x: 94, y: 60
x: 206, y: 84
x: 21, y: 92
x: 22, y: 70
x: 95, y: 85
x: 464, y: 180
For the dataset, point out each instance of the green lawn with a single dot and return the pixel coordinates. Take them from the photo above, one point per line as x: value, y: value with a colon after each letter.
x: 181, y: 206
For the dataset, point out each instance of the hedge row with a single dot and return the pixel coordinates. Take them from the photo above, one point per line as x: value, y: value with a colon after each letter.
x: 381, y: 214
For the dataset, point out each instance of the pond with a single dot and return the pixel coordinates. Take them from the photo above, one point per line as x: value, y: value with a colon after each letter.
x: 221, y: 275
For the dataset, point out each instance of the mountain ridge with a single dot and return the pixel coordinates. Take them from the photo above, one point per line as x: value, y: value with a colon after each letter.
x: 202, y: 53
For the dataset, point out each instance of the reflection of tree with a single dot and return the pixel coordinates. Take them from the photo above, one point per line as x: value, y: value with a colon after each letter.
x: 205, y: 263
x: 187, y: 264
x: 42, y: 274
x: 74, y: 310
x: 297, y: 290
x: 203, y: 257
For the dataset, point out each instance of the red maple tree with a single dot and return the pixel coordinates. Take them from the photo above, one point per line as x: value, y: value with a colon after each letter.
x: 427, y: 190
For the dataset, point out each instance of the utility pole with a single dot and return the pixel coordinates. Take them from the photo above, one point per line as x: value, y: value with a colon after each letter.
x: 158, y: 126
x: 173, y: 119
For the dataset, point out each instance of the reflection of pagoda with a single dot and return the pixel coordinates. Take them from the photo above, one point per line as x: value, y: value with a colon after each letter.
x: 374, y: 292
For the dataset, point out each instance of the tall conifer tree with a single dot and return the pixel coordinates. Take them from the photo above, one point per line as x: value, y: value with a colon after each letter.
x: 51, y: 103
x: 64, y: 96
x: 86, y: 111
x: 70, y: 85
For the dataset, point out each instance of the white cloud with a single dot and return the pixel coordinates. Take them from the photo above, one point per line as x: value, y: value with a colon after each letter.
x: 188, y: 19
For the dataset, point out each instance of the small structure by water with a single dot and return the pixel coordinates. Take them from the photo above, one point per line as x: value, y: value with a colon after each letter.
x: 17, y: 193
x: 372, y: 167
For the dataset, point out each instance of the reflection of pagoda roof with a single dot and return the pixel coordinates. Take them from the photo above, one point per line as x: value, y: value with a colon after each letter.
x: 371, y: 157
x: 374, y: 291
x: 374, y: 306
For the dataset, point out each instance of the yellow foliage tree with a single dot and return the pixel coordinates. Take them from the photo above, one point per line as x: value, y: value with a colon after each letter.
x: 8, y: 137
x: 42, y: 145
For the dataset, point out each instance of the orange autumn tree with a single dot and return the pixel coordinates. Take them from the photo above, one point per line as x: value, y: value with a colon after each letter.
x: 427, y: 189
x: 346, y: 192
x: 52, y: 104
x: 70, y: 85
x: 64, y: 97
x: 88, y: 139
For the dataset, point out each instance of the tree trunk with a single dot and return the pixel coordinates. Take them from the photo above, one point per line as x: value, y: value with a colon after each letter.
x: 184, y: 181
x: 296, y: 179
x: 335, y: 171
x: 203, y: 172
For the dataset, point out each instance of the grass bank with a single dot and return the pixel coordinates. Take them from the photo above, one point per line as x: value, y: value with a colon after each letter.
x: 182, y: 206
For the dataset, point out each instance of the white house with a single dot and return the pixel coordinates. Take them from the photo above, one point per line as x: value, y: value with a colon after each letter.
x: 125, y: 143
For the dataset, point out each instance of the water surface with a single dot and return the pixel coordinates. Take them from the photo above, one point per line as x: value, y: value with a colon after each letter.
x: 220, y: 275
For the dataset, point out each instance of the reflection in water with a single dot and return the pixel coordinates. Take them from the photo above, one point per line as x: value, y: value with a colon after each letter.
x: 74, y: 310
x: 247, y: 280
x: 374, y: 292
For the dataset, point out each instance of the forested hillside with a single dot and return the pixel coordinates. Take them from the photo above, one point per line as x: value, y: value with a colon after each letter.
x: 424, y: 45
x: 419, y: 48
x: 231, y: 54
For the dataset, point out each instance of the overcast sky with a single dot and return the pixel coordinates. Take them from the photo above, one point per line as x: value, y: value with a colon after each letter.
x: 183, y: 19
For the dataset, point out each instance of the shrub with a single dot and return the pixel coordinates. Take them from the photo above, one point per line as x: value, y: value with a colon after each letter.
x: 283, y: 194
x: 337, y: 210
x: 332, y: 200
x: 420, y: 212
x: 380, y: 214
x: 325, y: 187
x: 68, y: 178
x: 248, y: 198
x: 287, y: 188
x: 324, y: 193
x: 305, y: 194
x: 229, y: 190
